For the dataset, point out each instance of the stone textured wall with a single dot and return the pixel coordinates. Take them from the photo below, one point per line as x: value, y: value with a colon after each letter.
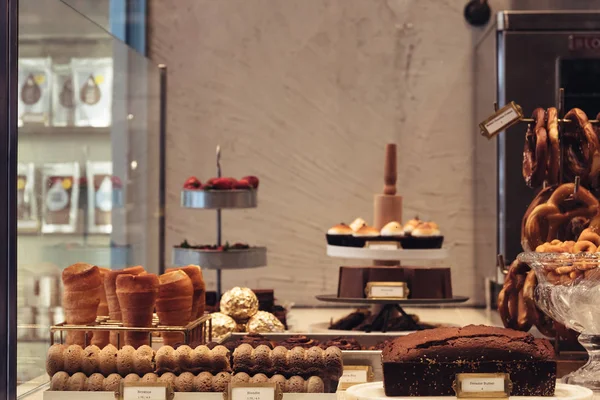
x: 304, y: 94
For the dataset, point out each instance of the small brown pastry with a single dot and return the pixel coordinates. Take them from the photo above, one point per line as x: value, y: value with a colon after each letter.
x: 131, y: 378
x: 76, y: 382
x: 110, y: 288
x: 149, y: 378
x: 426, y: 235
x: 107, y: 360
x: 168, y: 378
x: 298, y: 341
x: 174, y: 303
x: 137, y: 296
x: 90, y: 360
x: 112, y: 383
x: 54, y: 359
x: 166, y: 361
x: 342, y: 343
x: 339, y: 235
x: 363, y: 235
x: 195, y: 274
x: 95, y: 383
x: 125, y: 360
x: 72, y: 359
x: 59, y: 382
x: 185, y: 382
x: 143, y: 360
x: 81, y: 297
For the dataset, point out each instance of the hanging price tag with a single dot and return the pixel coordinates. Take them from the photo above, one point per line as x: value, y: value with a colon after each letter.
x: 501, y: 120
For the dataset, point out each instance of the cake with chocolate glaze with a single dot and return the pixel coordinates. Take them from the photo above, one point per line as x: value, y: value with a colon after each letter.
x: 412, y: 362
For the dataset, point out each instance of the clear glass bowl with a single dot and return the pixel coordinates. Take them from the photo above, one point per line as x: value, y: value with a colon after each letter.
x: 568, y: 290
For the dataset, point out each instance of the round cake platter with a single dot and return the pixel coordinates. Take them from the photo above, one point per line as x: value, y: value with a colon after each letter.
x: 374, y: 391
x: 253, y: 257
x: 218, y: 199
x: 405, y: 302
x: 386, y: 254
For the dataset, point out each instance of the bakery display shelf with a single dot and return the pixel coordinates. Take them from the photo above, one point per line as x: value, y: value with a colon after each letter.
x: 253, y: 257
x: 218, y: 199
x: 332, y: 298
x: 197, y: 330
x: 374, y: 391
x: 50, y: 395
x: 386, y: 254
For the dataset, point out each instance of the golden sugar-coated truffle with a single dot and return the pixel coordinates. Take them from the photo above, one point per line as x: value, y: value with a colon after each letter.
x: 240, y: 377
x: 107, y: 360
x: 264, y: 322
x: 203, y: 382
x: 95, y: 383
x: 239, y: 303
x: 168, y: 378
x: 184, y: 355
x: 77, y: 382
x: 59, y: 381
x: 185, y: 382
x: 166, y: 360
x: 125, y: 358
x: 112, y: 382
x: 221, y: 381
x: 90, y: 360
x: 259, y: 378
x: 222, y: 325
x: 143, y: 360
x: 294, y: 385
x: 132, y: 378
x: 72, y: 359
x: 54, y: 359
x: 314, y: 384
x: 149, y: 378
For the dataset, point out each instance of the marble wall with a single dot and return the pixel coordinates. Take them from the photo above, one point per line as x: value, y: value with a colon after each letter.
x: 304, y: 94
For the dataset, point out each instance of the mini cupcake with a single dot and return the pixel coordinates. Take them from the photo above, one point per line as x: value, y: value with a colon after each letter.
x: 426, y: 235
x: 392, y: 231
x: 357, y: 224
x: 411, y: 225
x: 339, y: 235
x: 363, y: 235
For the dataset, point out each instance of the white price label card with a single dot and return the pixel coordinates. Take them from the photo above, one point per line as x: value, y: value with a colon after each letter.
x: 354, y: 376
x: 502, y: 119
x: 388, y: 291
x: 144, y: 393
x: 253, y: 393
x: 482, y: 385
x: 383, y: 246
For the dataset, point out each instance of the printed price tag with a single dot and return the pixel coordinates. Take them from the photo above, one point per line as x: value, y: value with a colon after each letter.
x: 144, y: 393
x: 482, y: 385
x: 381, y: 246
x: 387, y: 291
x: 253, y: 393
x: 354, y: 376
x: 502, y: 119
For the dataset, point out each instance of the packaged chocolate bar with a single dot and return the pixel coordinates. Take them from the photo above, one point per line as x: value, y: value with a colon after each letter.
x: 100, y: 196
x: 35, y: 75
x: 60, y: 196
x: 27, y: 216
x: 63, y: 101
x: 93, y: 84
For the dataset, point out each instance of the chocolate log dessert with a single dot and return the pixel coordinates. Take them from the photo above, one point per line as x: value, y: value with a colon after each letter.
x: 412, y: 362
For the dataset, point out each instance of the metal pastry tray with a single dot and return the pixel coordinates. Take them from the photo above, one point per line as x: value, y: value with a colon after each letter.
x: 349, y: 357
x: 218, y: 199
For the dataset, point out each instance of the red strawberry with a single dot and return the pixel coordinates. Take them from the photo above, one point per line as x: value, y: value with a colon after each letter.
x: 192, y: 183
x: 242, y: 185
x: 223, y: 183
x: 252, y: 180
x: 211, y: 181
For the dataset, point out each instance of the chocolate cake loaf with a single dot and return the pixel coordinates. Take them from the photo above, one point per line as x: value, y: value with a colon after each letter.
x: 412, y: 362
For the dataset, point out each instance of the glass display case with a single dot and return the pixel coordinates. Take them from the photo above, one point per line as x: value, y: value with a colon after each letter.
x: 83, y: 112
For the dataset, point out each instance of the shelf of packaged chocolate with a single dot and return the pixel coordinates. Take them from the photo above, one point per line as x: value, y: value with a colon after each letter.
x: 197, y: 331
x: 225, y: 258
x: 386, y: 252
x: 219, y: 199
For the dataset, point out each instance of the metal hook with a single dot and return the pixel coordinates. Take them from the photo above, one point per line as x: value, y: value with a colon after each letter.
x: 495, y: 106
x: 218, y: 161
x: 576, y: 187
x: 544, y: 184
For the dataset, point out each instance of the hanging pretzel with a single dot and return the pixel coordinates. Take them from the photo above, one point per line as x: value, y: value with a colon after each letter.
x: 535, y: 150
x: 541, y: 321
x: 511, y: 306
x: 545, y: 221
x: 582, y: 149
x: 541, y: 198
x: 553, y: 174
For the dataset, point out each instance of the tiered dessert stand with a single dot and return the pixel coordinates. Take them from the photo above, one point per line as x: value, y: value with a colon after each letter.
x: 219, y: 200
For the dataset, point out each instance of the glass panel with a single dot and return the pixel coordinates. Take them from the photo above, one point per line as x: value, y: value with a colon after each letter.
x: 88, y: 182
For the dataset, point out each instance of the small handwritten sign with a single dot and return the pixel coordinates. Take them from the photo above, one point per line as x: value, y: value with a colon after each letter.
x: 502, y: 119
x: 482, y: 385
x: 256, y: 391
x: 140, y: 391
x: 386, y: 290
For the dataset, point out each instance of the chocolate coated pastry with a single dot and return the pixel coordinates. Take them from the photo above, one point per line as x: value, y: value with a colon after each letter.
x: 298, y: 341
x: 342, y: 343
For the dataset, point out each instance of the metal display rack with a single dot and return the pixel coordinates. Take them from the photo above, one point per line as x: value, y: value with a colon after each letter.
x: 218, y: 260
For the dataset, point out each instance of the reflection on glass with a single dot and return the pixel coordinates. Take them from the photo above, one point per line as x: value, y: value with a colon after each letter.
x: 88, y: 171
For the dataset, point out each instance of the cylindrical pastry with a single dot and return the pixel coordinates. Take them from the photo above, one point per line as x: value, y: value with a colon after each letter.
x: 101, y: 338
x: 174, y: 303
x: 137, y: 296
x: 195, y: 274
x: 110, y: 287
x: 81, y: 296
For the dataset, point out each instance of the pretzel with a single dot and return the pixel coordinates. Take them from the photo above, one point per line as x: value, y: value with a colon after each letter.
x: 553, y: 174
x: 582, y: 149
x: 590, y: 235
x: 583, y: 246
x: 541, y: 321
x: 510, y: 300
x: 541, y: 198
x: 544, y: 222
x: 535, y: 150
